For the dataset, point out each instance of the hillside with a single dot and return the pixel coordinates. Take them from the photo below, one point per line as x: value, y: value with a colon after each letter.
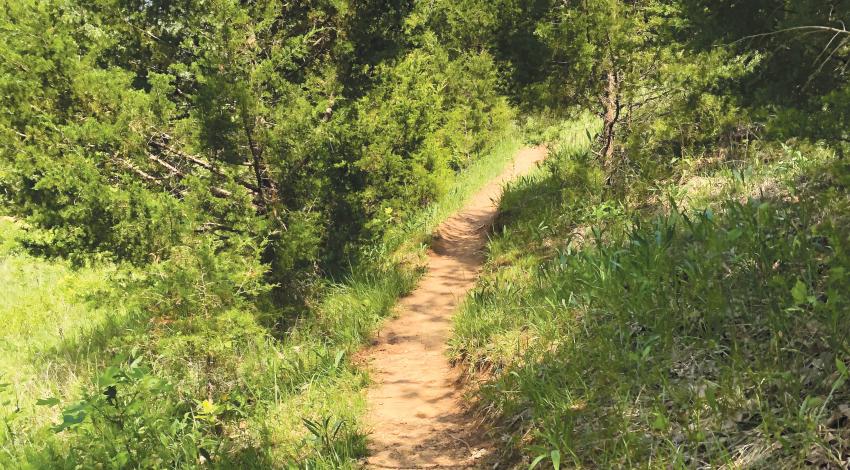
x: 701, y: 327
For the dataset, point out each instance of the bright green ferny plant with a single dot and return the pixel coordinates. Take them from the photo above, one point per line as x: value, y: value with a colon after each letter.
x: 204, y: 278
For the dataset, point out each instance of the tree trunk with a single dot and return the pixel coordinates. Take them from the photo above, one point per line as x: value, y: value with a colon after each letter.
x: 266, y: 189
x: 611, y: 115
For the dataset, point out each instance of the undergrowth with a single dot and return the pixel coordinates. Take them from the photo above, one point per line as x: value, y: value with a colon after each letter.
x: 693, y: 326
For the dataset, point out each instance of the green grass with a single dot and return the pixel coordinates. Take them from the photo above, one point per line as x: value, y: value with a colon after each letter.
x: 49, y: 328
x: 187, y: 353
x: 659, y: 336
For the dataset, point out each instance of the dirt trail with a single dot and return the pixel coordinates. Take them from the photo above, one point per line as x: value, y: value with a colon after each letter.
x: 416, y: 415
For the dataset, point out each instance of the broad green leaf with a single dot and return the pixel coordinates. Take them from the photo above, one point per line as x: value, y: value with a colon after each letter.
x: 338, y: 358
x: 556, y: 459
x: 800, y: 293
x: 660, y: 422
x: 842, y: 368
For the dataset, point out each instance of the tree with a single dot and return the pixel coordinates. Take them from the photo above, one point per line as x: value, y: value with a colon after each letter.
x: 799, y: 51
x: 606, y: 56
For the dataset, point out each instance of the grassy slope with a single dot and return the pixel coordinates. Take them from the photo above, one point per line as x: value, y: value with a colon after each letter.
x: 43, y: 310
x: 706, y: 331
x: 59, y: 333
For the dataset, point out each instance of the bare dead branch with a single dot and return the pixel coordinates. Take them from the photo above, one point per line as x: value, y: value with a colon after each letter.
x: 198, y: 161
x: 220, y: 192
x: 827, y: 29
x: 214, y: 226
x: 166, y: 165
x: 825, y: 61
x: 133, y: 168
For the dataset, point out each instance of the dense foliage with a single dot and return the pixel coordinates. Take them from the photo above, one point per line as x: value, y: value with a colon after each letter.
x: 671, y: 79
x: 666, y: 293
x: 214, y: 164
x: 130, y: 126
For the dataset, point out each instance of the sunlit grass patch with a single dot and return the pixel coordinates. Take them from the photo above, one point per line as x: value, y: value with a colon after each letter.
x: 52, y: 336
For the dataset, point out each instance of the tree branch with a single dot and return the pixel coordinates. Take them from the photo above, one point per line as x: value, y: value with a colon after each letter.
x: 216, y: 191
x: 199, y: 162
x: 827, y: 29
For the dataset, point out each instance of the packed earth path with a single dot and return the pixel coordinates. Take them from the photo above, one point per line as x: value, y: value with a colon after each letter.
x: 416, y: 415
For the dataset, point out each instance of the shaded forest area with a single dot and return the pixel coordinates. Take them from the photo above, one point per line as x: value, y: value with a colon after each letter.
x: 209, y: 206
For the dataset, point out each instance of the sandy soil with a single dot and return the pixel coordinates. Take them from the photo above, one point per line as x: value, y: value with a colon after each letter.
x: 416, y: 414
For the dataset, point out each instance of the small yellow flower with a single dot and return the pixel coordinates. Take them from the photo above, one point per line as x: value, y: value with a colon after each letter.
x: 208, y: 407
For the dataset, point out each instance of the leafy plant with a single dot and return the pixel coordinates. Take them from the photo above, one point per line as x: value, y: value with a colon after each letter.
x: 130, y: 418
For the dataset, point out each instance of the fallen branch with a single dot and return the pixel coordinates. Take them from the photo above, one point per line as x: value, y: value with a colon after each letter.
x: 133, y: 168
x: 213, y: 226
x: 167, y: 165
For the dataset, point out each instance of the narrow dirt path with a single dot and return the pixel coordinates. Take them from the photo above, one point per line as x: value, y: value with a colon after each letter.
x: 416, y: 416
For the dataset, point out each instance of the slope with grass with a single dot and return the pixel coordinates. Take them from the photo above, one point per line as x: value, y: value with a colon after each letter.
x: 701, y: 324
